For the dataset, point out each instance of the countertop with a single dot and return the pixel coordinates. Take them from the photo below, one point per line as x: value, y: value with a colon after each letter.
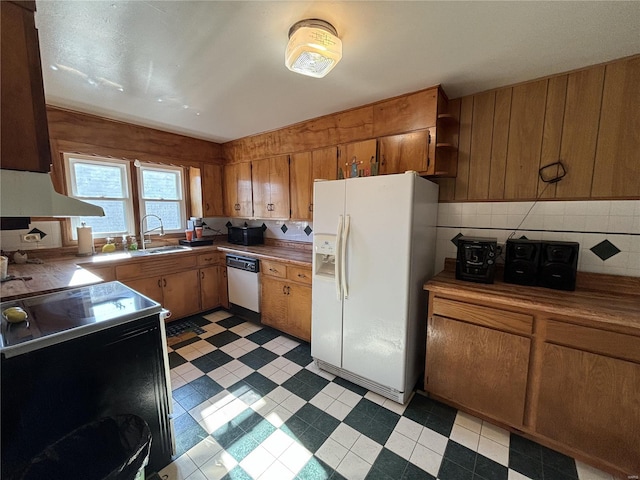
x: 66, y: 271
x: 598, y: 298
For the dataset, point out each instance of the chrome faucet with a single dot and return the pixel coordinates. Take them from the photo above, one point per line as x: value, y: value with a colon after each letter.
x: 143, y: 232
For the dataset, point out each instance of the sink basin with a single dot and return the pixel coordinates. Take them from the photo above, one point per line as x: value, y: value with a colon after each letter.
x: 160, y: 250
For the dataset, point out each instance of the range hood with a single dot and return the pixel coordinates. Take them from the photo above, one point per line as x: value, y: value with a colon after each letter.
x: 30, y: 194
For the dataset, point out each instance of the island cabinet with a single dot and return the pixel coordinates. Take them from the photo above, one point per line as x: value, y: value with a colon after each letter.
x: 270, y: 186
x: 237, y: 190
x: 305, y: 168
x: 285, y: 299
x: 172, y: 282
x: 561, y: 368
x: 25, y: 136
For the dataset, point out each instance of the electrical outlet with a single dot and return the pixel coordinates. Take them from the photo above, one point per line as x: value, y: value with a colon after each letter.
x: 31, y: 237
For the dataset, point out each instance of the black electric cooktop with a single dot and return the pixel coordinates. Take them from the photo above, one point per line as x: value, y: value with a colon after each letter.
x: 57, y: 317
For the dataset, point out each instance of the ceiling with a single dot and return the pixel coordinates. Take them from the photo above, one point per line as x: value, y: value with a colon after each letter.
x: 215, y: 70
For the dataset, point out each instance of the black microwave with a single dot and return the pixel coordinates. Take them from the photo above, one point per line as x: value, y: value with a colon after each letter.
x: 246, y: 235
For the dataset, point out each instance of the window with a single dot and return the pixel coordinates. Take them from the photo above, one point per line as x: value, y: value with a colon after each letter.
x: 161, y: 194
x: 103, y: 182
x: 106, y: 182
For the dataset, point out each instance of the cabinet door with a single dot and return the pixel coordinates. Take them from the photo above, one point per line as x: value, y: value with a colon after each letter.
x: 150, y: 287
x: 230, y: 190
x: 591, y: 402
x: 399, y: 153
x: 299, y: 311
x: 301, y: 182
x: 243, y: 181
x: 212, y: 203
x: 279, y: 187
x: 223, y: 286
x: 325, y: 163
x: 357, y: 156
x: 478, y: 367
x: 24, y: 136
x: 209, y: 288
x: 181, y: 293
x: 274, y: 303
x: 260, y: 186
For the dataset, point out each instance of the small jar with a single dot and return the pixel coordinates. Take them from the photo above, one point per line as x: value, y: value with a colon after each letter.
x: 133, y: 243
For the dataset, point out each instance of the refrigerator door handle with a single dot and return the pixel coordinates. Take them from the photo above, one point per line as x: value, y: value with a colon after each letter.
x: 343, y: 256
x: 338, y: 261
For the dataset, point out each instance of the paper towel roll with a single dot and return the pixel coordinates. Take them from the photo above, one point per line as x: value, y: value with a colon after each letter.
x: 85, y: 240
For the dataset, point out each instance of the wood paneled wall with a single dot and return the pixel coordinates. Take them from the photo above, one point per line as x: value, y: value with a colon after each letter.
x: 587, y: 119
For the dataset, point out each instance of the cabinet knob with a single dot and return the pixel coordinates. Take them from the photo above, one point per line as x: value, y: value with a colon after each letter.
x: 159, y: 283
x: 284, y: 289
x: 311, y: 207
x: 164, y: 282
x: 288, y: 290
x: 302, y: 275
x: 206, y: 207
x: 202, y: 275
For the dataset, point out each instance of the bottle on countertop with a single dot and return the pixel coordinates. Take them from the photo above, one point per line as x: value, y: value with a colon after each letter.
x: 124, y: 243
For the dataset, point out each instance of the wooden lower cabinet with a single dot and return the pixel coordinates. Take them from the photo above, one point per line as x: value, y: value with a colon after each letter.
x: 591, y: 402
x: 209, y: 288
x: 177, y: 292
x: 285, y: 299
x: 223, y: 286
x: 478, y: 367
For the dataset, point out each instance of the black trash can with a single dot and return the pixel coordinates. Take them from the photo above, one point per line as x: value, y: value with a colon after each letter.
x: 112, y: 448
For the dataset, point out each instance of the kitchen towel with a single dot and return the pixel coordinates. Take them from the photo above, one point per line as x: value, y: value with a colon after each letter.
x: 85, y: 240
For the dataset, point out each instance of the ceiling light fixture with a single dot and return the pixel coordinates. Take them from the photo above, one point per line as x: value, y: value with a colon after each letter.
x: 313, y: 49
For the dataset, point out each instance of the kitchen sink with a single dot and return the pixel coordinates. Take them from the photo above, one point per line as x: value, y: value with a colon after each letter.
x: 161, y: 250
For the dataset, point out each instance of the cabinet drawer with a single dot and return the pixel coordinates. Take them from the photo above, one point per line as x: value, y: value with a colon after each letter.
x: 594, y: 340
x: 273, y: 269
x: 211, y: 258
x: 486, y: 316
x: 155, y: 267
x: 299, y: 274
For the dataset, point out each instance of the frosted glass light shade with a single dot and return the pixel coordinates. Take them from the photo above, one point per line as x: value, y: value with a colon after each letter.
x: 313, y: 49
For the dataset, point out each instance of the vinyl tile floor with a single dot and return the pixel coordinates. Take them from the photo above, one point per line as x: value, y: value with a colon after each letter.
x: 249, y: 403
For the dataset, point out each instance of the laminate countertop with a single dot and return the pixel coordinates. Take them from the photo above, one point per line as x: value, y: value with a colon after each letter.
x: 598, y: 298
x: 65, y: 272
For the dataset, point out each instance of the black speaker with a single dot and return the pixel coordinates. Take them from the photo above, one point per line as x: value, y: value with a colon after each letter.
x: 476, y: 259
x: 521, y: 262
x: 558, y: 265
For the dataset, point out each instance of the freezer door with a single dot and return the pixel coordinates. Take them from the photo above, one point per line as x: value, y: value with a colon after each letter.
x: 377, y: 260
x: 326, y: 300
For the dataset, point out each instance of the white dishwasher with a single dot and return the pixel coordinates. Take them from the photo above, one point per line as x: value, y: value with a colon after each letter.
x: 244, y: 282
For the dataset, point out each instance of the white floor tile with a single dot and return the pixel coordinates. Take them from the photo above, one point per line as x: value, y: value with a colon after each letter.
x: 349, y: 398
x: 221, y: 464
x: 192, y: 375
x: 497, y: 434
x: 587, y: 472
x: 465, y: 437
x: 199, y: 412
x: 190, y: 355
x: 277, y: 443
x: 184, y: 368
x: 375, y: 398
x: 353, y: 467
x: 494, y: 451
x: 218, y: 373
x: 281, y: 349
x: 228, y: 380
x: 513, y: 475
x: 292, y: 368
x: 333, y: 390
x: 279, y: 394
x: 409, y: 428
x: 204, y: 451
x: 177, y: 383
x: 263, y: 406
x: 293, y: 403
x: 426, y: 459
x: 295, y: 457
x: 278, y: 416
x: 179, y: 469
x: 395, y: 407
x: 321, y: 401
x: 280, y: 362
x: 257, y: 462
x: 243, y: 371
x: 331, y: 453
x: 268, y: 370
x: 277, y: 471
x: 280, y: 377
x: 345, y: 435
x: 433, y: 440
x: 400, y: 445
x: 366, y: 449
x: 338, y: 410
x: 469, y: 422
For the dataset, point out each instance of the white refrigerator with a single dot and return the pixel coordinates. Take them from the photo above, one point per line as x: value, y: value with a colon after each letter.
x: 374, y: 247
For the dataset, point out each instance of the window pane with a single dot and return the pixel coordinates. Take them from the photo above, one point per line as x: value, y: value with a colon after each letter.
x: 169, y: 212
x: 159, y: 185
x: 114, y: 218
x: 98, y: 180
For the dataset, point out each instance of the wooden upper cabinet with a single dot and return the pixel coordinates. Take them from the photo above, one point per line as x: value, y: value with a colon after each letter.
x: 409, y: 151
x: 304, y: 169
x: 25, y: 135
x: 356, y: 157
x: 301, y: 181
x: 237, y: 190
x: 271, y: 187
x: 212, y: 203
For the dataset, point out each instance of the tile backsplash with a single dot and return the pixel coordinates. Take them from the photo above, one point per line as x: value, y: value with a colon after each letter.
x: 50, y: 233
x: 277, y: 229
x: 587, y: 222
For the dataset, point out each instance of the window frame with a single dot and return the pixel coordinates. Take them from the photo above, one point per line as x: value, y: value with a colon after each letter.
x: 69, y: 159
x: 182, y: 201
